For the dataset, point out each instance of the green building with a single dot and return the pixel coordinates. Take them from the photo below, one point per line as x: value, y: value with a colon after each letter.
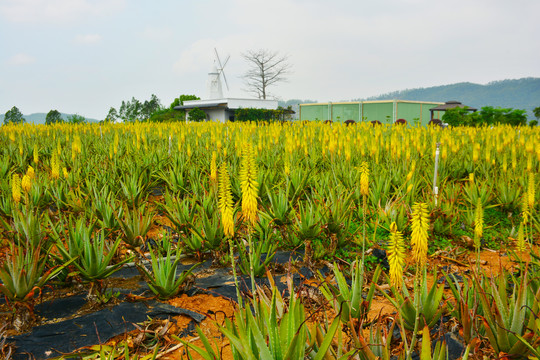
x: 385, y: 111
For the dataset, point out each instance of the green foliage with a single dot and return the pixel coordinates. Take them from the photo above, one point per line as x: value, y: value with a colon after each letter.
x: 135, y: 225
x: 488, y: 115
x: 347, y: 300
x: 95, y: 261
x: 196, y: 114
x: 167, y: 115
x: 162, y: 280
x: 262, y: 251
x: 536, y: 112
x: 426, y: 301
x: 180, y: 100
x: 112, y: 115
x: 23, y: 271
x: 269, y: 329
x: 509, y: 310
x: 53, y: 117
x: 14, y: 116
x: 252, y: 114
x: 134, y: 110
x: 170, y: 114
x: 76, y: 119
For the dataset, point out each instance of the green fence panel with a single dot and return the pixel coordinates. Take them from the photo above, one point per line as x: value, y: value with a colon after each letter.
x: 379, y: 111
x: 314, y: 112
x: 343, y: 112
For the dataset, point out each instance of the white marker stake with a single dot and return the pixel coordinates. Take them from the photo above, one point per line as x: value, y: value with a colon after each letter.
x: 435, y: 188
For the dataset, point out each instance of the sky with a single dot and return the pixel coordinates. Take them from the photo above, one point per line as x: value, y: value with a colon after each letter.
x: 85, y: 56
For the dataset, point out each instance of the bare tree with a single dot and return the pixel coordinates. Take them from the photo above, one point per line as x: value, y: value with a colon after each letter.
x: 266, y: 68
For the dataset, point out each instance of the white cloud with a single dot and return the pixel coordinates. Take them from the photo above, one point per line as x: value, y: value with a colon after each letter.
x: 21, y: 59
x: 88, y: 39
x: 55, y: 11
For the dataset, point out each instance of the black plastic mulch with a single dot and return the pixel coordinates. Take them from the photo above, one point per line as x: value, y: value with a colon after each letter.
x: 52, y: 340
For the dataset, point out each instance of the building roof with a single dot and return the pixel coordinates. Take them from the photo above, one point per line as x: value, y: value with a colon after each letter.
x: 374, y: 102
x: 228, y: 103
x: 202, y: 106
x: 451, y: 105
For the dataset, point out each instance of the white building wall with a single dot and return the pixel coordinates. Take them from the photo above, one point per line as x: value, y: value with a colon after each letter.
x: 236, y: 103
x: 216, y: 115
x: 252, y: 103
x: 222, y: 114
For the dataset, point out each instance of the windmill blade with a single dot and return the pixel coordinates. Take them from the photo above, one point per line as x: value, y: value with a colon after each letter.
x: 222, y: 66
x: 224, y: 78
x: 225, y: 63
x: 219, y: 61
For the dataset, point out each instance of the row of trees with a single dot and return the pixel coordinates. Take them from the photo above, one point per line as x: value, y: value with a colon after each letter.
x: 488, y: 115
x: 15, y: 116
x: 149, y: 110
x: 131, y: 110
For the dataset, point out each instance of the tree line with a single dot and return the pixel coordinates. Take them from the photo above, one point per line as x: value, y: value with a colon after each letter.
x: 489, y: 115
x: 129, y: 111
x: 15, y: 116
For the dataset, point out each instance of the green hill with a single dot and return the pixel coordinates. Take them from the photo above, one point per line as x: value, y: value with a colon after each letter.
x: 517, y: 94
x: 39, y: 118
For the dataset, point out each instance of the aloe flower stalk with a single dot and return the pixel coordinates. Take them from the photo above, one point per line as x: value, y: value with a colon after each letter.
x: 419, y: 237
x: 396, y: 256
x: 16, y: 188
x: 248, y: 184
x: 478, y: 224
x: 225, y: 201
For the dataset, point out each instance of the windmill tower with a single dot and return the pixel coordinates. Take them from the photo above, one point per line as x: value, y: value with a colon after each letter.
x: 213, y: 85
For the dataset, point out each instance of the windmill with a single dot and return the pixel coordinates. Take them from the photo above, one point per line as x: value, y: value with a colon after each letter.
x: 213, y: 85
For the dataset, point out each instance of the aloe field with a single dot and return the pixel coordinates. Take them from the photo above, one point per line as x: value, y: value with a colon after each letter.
x: 439, y: 224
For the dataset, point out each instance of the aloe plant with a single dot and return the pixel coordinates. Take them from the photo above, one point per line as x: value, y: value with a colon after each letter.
x: 279, y: 208
x: 439, y: 351
x: 477, y: 190
x: 207, y: 233
x: 510, y: 317
x: 347, y: 300
x: 23, y: 273
x: 465, y: 305
x: 174, y: 178
x: 94, y: 263
x: 337, y: 218
x: 135, y: 224
x: 133, y: 189
x: 425, y: 310
x: 268, y: 330
x: 162, y: 280
x: 27, y: 224
x: 263, y: 251
x: 307, y: 224
x: 180, y: 212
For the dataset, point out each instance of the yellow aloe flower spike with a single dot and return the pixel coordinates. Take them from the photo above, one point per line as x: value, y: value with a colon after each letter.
x: 248, y: 184
x: 225, y: 202
x: 396, y: 256
x: 16, y: 188
x: 478, y: 224
x: 419, y: 236
x: 364, y: 179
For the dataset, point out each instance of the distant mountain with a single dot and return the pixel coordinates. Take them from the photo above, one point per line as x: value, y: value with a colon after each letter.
x: 39, y: 118
x: 293, y: 103
x: 517, y: 94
